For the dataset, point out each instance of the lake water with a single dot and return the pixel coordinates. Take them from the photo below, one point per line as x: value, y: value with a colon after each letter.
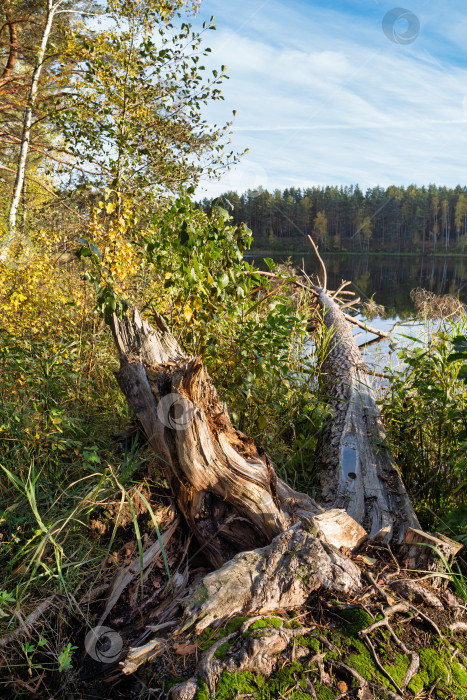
x: 388, y: 280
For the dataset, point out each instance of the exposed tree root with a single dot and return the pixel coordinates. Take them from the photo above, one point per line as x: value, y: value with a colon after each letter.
x: 415, y: 593
x: 280, y: 576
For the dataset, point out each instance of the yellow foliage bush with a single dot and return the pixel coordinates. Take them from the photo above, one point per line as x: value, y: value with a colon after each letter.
x: 42, y: 295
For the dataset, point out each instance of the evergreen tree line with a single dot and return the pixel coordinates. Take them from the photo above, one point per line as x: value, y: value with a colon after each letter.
x: 396, y: 219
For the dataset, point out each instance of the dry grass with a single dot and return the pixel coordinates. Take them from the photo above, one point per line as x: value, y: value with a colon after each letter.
x: 436, y: 306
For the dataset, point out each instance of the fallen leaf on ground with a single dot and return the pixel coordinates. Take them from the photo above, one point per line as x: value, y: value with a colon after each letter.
x: 184, y: 649
x: 368, y: 560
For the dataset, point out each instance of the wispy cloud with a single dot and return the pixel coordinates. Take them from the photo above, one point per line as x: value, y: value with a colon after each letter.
x: 323, y: 97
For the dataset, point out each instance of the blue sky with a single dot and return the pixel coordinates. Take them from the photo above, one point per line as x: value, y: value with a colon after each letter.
x: 324, y: 97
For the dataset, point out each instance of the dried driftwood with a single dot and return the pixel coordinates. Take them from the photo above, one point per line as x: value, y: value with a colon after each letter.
x: 139, y: 655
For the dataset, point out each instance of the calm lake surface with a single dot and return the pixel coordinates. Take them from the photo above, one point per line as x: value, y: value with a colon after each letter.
x: 388, y: 279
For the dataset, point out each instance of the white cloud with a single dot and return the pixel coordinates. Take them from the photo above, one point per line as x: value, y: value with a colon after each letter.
x: 326, y: 98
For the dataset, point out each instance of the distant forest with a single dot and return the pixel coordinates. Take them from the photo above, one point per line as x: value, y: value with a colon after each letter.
x: 397, y: 219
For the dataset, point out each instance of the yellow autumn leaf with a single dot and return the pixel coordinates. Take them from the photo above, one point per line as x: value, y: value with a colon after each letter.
x: 188, y: 313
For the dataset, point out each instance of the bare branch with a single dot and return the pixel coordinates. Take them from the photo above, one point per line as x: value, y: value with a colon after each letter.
x: 320, y: 260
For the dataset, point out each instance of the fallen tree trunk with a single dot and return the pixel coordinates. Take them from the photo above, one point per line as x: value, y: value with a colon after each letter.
x: 357, y: 470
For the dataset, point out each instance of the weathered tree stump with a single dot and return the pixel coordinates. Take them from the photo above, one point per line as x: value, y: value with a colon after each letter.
x: 224, y: 485
x: 276, y: 548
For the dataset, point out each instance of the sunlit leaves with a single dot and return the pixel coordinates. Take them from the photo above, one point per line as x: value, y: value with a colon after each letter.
x: 134, y: 109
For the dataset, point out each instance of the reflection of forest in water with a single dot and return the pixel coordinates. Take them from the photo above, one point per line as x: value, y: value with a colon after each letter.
x: 390, y: 278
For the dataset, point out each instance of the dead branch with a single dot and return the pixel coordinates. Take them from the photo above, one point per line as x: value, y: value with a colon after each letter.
x: 28, y: 623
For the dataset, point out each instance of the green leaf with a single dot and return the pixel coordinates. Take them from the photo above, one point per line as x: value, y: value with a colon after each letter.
x: 223, y: 280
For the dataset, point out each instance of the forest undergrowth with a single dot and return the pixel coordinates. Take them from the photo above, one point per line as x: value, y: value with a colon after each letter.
x: 80, y: 506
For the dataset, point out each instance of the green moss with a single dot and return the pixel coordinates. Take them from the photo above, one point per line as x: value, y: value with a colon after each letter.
x: 433, y: 662
x: 459, y: 676
x: 364, y: 664
x: 208, y: 636
x: 285, y: 679
x: 222, y: 650
x: 233, y: 684
x: 309, y: 642
x: 266, y: 622
x: 235, y: 624
x: 357, y: 618
x: 201, y: 594
x: 418, y: 682
x: 358, y: 645
x: 203, y: 691
x: 398, y: 668
x: 290, y: 681
x: 292, y: 624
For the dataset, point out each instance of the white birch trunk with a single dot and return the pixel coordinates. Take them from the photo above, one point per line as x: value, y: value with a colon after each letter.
x: 27, y: 122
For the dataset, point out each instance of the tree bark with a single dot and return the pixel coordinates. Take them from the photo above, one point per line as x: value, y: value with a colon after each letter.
x: 27, y: 121
x: 13, y: 51
x: 225, y: 486
x: 357, y: 470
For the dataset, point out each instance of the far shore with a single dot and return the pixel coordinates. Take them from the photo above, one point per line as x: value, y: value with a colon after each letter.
x: 372, y: 253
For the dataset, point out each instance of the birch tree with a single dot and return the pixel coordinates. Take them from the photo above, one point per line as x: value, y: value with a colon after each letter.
x: 52, y: 8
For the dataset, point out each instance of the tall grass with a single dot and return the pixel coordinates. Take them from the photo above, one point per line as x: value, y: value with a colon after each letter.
x: 425, y: 409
